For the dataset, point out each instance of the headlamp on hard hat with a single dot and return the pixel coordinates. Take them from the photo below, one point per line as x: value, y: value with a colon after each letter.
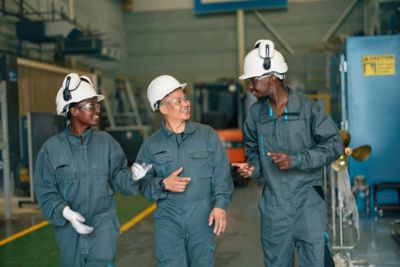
x: 74, y: 89
x: 266, y: 50
x: 72, y: 82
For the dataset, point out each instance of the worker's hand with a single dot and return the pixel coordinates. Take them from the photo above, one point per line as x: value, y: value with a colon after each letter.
x: 218, y: 216
x: 76, y: 219
x: 281, y: 160
x: 140, y: 170
x: 244, y: 169
x: 174, y: 183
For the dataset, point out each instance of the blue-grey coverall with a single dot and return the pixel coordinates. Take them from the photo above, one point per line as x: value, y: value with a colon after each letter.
x: 83, y: 173
x: 182, y: 234
x: 293, y: 209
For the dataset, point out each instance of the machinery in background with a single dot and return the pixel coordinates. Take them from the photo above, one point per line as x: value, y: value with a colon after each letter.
x: 396, y: 230
x: 56, y: 28
x: 130, y: 140
x: 360, y: 153
x: 125, y: 122
x: 370, y: 111
x: 367, y: 106
x: 342, y: 193
x: 36, y: 128
x: 220, y: 105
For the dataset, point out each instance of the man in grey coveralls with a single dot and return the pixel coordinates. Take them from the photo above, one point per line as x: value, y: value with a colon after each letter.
x: 288, y: 140
x: 190, y: 180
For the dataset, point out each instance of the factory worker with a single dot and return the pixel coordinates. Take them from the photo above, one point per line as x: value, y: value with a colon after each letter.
x: 76, y: 176
x: 288, y: 140
x: 190, y: 180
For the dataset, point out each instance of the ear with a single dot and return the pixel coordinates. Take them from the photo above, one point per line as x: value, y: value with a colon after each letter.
x: 73, y: 111
x: 163, y: 109
x: 273, y: 78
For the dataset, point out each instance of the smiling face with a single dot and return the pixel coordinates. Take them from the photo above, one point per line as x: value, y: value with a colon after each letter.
x: 86, y: 113
x: 175, y: 106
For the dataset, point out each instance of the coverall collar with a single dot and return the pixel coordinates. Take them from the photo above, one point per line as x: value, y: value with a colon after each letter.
x: 79, y: 140
x: 292, y: 107
x: 189, y: 129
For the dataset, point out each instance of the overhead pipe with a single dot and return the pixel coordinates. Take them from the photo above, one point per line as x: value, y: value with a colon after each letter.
x: 274, y: 32
x: 339, y: 21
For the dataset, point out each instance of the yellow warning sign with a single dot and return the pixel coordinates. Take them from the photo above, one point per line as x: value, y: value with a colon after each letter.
x: 378, y: 65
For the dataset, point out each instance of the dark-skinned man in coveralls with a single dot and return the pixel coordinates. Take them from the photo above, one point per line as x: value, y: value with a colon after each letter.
x: 288, y: 140
x: 76, y: 175
x: 190, y: 180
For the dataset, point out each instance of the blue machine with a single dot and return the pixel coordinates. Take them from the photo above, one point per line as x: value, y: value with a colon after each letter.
x: 373, y: 112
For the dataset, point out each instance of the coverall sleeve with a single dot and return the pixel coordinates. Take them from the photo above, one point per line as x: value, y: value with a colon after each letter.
x: 121, y: 175
x: 149, y: 185
x: 49, y: 198
x: 222, y: 180
x: 328, y: 144
x: 250, y: 140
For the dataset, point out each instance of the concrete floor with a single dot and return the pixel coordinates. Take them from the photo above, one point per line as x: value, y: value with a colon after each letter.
x: 21, y: 218
x: 376, y: 246
x: 240, y: 245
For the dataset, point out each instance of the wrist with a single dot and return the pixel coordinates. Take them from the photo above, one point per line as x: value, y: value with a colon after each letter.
x: 162, y: 185
x: 298, y: 161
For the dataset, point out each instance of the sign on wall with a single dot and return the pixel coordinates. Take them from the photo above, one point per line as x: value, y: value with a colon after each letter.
x: 378, y: 65
x: 213, y: 6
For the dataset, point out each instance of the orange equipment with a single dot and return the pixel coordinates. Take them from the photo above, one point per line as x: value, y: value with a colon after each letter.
x: 232, y: 140
x: 220, y: 105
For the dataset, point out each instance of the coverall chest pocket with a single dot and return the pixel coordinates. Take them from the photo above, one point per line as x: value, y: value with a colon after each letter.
x: 102, y: 183
x: 299, y: 131
x: 163, y: 162
x: 200, y: 164
x: 266, y: 132
x: 67, y: 182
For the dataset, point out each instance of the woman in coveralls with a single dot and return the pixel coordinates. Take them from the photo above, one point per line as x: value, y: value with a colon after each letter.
x: 288, y: 140
x: 76, y: 175
x: 190, y: 180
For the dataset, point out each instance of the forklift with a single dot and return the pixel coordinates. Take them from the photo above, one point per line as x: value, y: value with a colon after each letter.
x: 220, y: 105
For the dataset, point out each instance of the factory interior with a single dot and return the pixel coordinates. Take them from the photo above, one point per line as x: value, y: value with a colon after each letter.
x: 343, y: 54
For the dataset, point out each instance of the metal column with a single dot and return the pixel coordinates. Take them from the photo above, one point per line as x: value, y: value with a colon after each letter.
x: 5, y: 151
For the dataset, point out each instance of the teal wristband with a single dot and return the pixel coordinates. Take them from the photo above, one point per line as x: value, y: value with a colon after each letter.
x: 298, y: 161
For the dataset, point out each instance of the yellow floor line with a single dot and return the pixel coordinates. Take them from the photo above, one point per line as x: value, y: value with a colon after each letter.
x: 124, y: 227
x: 22, y: 233
x: 138, y: 218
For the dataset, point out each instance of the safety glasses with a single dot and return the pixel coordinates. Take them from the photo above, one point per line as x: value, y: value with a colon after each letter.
x: 89, y: 106
x: 255, y: 80
x: 176, y: 100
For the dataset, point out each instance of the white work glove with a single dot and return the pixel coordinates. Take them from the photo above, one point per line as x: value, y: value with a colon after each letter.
x: 140, y: 170
x: 76, y: 219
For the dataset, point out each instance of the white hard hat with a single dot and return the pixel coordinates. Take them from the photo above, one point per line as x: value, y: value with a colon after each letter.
x: 74, y: 89
x: 161, y: 87
x: 264, y: 59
